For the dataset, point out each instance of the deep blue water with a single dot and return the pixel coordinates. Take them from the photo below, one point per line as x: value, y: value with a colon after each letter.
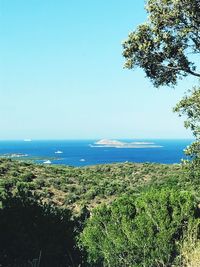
x: 79, y: 153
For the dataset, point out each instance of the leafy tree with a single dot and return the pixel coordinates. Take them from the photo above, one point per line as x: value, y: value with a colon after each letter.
x: 190, y: 107
x: 139, y: 231
x: 163, y: 46
x: 166, y: 48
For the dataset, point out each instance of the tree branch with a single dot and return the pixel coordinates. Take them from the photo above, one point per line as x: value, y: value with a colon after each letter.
x: 193, y: 73
x: 181, y: 69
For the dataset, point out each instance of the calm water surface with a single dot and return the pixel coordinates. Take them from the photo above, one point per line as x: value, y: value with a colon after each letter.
x: 80, y: 153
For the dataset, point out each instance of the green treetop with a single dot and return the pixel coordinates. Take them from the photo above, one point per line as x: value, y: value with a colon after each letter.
x: 167, y: 48
x: 164, y: 45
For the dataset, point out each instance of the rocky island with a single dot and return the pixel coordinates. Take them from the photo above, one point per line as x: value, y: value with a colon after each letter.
x: 120, y: 144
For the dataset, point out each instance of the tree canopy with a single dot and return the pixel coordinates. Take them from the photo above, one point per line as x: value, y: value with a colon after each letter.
x: 190, y: 107
x: 164, y: 46
x: 167, y: 48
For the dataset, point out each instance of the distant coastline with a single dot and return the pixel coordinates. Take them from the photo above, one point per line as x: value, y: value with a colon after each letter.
x: 94, y: 151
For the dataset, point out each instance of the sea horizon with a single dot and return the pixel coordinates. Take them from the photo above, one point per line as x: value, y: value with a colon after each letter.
x: 89, y: 139
x: 83, y: 152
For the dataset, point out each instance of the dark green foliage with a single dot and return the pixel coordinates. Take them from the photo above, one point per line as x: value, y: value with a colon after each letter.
x: 139, y: 231
x: 35, y: 231
x: 189, y: 106
x: 73, y: 187
x: 27, y: 177
x: 35, y: 216
x: 163, y: 45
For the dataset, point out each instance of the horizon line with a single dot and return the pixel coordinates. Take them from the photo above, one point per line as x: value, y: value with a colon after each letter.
x: 89, y: 139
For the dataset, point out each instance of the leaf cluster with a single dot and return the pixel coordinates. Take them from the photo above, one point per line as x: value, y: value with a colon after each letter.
x: 163, y: 45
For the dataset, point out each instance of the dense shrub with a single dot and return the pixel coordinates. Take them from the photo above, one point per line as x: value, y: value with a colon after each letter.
x: 100, y: 182
x: 35, y: 232
x: 138, y: 231
x: 27, y: 177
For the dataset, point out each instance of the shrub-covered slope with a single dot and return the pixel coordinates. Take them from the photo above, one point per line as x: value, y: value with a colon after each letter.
x: 74, y: 187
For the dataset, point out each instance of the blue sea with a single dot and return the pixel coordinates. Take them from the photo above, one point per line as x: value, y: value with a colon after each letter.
x: 81, y: 153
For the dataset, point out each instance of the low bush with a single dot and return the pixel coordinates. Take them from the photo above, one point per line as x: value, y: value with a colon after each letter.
x: 139, y: 231
x: 35, y: 232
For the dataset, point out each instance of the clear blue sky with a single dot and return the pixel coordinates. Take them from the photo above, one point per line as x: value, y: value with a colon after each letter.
x: 62, y: 76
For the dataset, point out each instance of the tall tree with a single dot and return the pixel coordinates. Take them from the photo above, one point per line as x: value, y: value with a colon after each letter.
x: 167, y: 48
x: 164, y: 45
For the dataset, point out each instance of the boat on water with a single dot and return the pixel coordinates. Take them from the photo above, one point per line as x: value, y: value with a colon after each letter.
x: 58, y: 152
x: 82, y: 159
x: 47, y: 162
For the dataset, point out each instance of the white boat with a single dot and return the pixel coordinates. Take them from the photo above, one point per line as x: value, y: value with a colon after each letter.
x: 27, y: 140
x: 58, y: 152
x: 82, y: 159
x: 47, y: 162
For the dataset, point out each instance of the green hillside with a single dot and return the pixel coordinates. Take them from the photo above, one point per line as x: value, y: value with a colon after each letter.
x: 74, y: 187
x: 123, y: 214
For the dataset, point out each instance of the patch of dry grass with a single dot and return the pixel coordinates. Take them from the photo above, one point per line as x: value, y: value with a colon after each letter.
x: 190, y: 247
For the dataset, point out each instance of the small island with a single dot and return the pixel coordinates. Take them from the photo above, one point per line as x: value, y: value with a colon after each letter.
x: 120, y: 144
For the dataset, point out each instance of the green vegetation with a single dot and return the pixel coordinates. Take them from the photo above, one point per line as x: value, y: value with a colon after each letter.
x: 154, y: 228
x: 75, y: 187
x: 35, y: 233
x: 150, y: 227
x: 123, y: 214
x: 164, y: 45
x: 132, y: 215
x: 189, y: 106
x: 190, y: 247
